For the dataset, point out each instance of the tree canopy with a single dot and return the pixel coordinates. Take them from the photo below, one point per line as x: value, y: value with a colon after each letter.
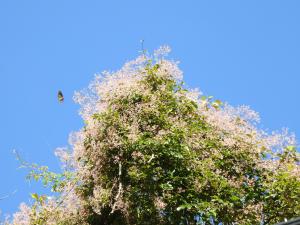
x: 153, y: 151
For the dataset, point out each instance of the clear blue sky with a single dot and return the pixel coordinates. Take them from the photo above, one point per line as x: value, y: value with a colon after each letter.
x: 243, y: 52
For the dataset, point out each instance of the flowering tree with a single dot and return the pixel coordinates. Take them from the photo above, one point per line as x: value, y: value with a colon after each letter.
x: 154, y: 152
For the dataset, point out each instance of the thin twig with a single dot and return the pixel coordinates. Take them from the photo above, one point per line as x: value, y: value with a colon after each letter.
x: 119, y: 189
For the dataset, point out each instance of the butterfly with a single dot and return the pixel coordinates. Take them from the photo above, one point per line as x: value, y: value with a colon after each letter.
x: 60, y: 96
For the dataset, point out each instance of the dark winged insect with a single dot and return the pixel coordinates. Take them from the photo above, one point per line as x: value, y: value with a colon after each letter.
x: 60, y: 96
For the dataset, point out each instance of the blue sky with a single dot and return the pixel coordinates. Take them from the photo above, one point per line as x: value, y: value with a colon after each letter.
x: 242, y: 52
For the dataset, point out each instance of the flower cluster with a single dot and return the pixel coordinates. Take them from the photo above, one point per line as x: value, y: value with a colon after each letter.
x: 154, y: 152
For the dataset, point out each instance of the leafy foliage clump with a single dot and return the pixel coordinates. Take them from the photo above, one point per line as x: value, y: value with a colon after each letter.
x: 155, y: 152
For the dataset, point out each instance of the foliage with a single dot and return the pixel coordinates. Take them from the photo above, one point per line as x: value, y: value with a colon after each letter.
x: 154, y: 152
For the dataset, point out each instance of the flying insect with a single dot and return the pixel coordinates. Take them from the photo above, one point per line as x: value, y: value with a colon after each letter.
x: 60, y: 96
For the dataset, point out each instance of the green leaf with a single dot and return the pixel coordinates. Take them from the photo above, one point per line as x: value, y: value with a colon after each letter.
x: 35, y: 196
x: 166, y: 187
x: 184, y: 206
x: 180, y: 208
